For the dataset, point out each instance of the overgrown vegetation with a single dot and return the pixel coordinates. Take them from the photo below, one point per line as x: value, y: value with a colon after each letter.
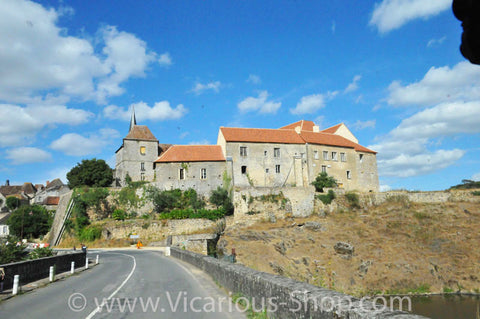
x: 87, y: 198
x: 353, y: 200
x: 322, y: 181
x: 211, y: 214
x: 30, y: 221
x: 467, y: 184
x: 476, y: 193
x: 41, y: 252
x: 92, y: 173
x: 327, y: 198
x: 12, y: 250
x: 221, y: 198
x: 12, y: 203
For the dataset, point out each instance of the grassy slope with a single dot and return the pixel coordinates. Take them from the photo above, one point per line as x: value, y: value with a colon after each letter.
x: 406, y: 247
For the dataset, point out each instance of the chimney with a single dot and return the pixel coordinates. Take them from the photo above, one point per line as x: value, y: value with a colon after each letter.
x: 298, y: 129
x: 316, y: 128
x: 46, y: 184
x: 7, y: 183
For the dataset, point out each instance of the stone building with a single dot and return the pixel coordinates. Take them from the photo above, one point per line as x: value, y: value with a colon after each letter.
x: 291, y: 156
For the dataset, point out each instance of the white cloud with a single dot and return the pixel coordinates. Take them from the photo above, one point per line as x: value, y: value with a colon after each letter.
x: 25, y: 122
x: 160, y: 111
x: 254, y: 79
x: 404, y: 151
x: 165, y: 59
x: 312, y: 103
x: 38, y: 56
x: 462, y: 82
x: 24, y: 155
x: 260, y: 104
x: 74, y: 144
x: 360, y: 125
x: 354, y: 85
x: 436, y: 42
x: 476, y: 177
x: 389, y: 15
x: 199, y: 88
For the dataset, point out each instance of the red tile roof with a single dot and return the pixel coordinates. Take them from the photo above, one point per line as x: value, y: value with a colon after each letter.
x: 140, y: 132
x: 332, y: 140
x: 257, y: 135
x: 287, y: 135
x: 51, y: 200
x: 332, y: 129
x: 192, y: 153
x: 304, y: 126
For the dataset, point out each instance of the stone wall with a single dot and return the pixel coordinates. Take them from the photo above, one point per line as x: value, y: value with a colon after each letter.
x: 285, y: 297
x: 31, y: 270
x: 198, y: 243
x: 158, y: 231
x: 420, y: 197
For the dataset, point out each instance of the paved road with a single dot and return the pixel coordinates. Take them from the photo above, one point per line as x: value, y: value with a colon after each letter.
x: 127, y: 284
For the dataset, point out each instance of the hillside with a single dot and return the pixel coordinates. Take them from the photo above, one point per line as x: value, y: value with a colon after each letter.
x: 396, y: 247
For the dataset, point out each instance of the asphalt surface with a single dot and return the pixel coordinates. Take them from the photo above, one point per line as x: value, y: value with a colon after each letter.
x: 127, y: 284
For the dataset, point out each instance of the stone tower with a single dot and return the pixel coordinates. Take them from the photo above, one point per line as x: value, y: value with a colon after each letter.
x: 137, y: 154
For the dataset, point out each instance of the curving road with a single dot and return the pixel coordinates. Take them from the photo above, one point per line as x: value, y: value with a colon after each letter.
x: 127, y: 284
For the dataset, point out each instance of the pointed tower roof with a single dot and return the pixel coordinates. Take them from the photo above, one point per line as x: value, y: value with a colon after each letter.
x: 133, y: 120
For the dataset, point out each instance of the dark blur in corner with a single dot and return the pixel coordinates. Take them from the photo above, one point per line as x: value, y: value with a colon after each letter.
x: 468, y: 11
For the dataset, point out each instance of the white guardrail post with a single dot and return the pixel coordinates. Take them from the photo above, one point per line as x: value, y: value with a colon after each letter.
x: 167, y: 251
x: 16, y: 279
x: 72, y: 268
x: 51, y: 275
x: 86, y: 263
x: 96, y: 260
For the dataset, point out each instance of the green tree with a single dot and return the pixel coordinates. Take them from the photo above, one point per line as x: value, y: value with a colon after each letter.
x: 323, y: 180
x: 12, y: 203
x: 221, y: 198
x: 10, y: 252
x: 94, y: 173
x: 29, y: 221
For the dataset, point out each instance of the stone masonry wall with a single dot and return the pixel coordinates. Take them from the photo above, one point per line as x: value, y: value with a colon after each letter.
x: 285, y: 297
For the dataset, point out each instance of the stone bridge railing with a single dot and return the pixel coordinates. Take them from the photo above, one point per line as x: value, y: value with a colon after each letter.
x: 285, y: 297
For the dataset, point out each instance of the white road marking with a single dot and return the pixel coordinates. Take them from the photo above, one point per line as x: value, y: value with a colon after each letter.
x: 94, y: 312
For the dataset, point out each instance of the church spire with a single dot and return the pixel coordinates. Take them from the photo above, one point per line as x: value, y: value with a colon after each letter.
x: 133, y: 120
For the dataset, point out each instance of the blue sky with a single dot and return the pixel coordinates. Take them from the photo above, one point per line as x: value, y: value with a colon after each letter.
x: 390, y: 70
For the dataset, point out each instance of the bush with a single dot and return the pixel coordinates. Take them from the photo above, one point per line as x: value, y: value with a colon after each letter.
x: 190, y: 213
x: 167, y: 201
x: 476, y: 193
x: 12, y: 253
x: 323, y: 180
x: 353, y: 200
x: 41, y: 252
x: 327, y: 198
x: 91, y: 233
x: 221, y: 198
x: 119, y: 214
x: 29, y: 221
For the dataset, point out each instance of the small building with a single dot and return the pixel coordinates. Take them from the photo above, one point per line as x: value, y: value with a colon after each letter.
x: 47, y: 194
x: 201, y: 167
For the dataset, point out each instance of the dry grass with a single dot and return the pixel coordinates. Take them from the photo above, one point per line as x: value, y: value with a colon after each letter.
x: 411, y: 247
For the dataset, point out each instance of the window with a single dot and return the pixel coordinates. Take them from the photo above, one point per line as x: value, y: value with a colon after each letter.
x: 203, y: 173
x: 266, y: 170
x: 361, y: 157
x: 343, y: 157
x: 315, y: 154
x: 277, y: 169
x: 265, y: 153
x: 244, y: 170
x: 142, y: 176
x: 324, y: 168
x: 243, y: 151
x: 325, y: 155
x: 181, y: 173
x: 276, y: 152
x: 142, y: 167
x: 334, y: 156
x: 349, y: 175
x: 143, y: 150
